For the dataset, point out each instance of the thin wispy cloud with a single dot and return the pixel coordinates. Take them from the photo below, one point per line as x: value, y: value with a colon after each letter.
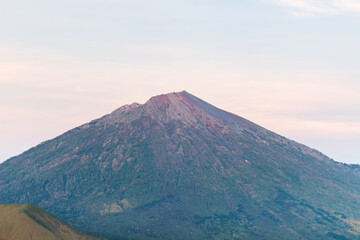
x: 313, y: 7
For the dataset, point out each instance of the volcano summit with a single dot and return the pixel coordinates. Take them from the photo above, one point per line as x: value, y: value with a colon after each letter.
x: 177, y: 167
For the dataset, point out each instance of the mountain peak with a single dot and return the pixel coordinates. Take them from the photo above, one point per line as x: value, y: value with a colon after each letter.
x: 187, y: 107
x: 180, y: 106
x: 166, y: 99
x: 172, y: 106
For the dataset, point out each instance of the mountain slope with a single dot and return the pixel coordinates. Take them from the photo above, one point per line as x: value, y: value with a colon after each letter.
x: 177, y: 167
x: 22, y: 222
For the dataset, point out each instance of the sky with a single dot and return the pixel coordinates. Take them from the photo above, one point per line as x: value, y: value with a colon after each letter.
x: 291, y: 66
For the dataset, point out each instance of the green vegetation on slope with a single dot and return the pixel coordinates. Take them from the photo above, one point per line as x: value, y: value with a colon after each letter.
x: 27, y: 222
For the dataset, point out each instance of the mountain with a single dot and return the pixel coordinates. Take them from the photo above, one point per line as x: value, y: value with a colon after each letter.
x: 26, y: 222
x: 177, y: 167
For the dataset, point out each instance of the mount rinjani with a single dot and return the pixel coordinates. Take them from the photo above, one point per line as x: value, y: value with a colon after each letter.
x: 177, y: 167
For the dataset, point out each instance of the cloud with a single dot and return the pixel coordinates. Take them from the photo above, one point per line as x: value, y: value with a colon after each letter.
x: 313, y: 7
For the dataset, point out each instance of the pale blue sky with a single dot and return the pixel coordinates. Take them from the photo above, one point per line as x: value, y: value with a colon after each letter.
x: 288, y: 65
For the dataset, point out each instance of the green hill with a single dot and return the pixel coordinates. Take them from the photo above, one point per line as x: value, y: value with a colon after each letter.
x: 177, y: 167
x: 27, y: 222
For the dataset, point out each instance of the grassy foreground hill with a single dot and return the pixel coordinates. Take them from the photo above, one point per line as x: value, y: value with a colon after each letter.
x: 28, y: 222
x: 177, y: 167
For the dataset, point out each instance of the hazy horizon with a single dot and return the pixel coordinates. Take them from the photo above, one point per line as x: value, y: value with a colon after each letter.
x: 287, y: 65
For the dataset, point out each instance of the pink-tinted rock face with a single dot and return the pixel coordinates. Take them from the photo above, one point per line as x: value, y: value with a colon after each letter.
x: 180, y: 106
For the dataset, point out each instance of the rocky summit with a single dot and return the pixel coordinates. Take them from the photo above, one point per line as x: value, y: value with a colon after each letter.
x: 177, y: 167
